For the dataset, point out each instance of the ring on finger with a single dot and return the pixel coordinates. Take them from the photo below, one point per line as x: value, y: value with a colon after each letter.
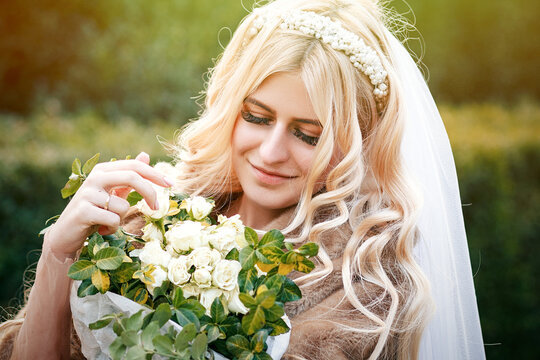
x: 106, y: 207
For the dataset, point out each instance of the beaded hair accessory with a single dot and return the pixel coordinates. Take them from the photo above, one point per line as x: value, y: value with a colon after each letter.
x: 332, y: 33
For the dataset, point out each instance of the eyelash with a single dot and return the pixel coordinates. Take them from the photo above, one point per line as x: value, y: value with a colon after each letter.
x: 249, y: 117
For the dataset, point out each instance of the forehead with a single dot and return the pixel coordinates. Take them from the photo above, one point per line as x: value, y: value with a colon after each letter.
x: 286, y: 94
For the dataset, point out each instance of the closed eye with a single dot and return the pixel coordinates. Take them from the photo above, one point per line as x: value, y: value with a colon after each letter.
x: 310, y: 140
x: 249, y: 117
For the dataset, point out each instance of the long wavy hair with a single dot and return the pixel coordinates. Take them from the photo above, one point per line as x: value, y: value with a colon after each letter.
x: 368, y: 189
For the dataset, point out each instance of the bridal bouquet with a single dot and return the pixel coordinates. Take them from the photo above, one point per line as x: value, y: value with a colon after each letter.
x: 203, y: 285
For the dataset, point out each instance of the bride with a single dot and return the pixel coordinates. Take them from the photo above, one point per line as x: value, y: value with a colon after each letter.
x: 316, y: 122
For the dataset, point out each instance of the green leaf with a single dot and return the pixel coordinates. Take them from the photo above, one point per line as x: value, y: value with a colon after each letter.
x: 86, y: 288
x: 177, y: 297
x: 117, y: 349
x: 162, y: 314
x: 130, y: 338
x: 246, y: 355
x: 248, y: 300
x: 272, y: 253
x: 199, y: 346
x: 90, y: 163
x: 272, y: 238
x: 275, y: 282
x: 230, y: 326
x: 136, y: 353
x: 289, y: 257
x: 81, y: 270
x: 247, y: 257
x: 148, y: 334
x: 304, y: 265
x: 266, y: 299
x: 247, y: 279
x: 140, y: 296
x: 94, y: 240
x: 233, y: 254
x: 213, y: 333
x: 124, y: 272
x: 76, y: 167
x: 101, y: 281
x: 290, y: 292
x: 251, y: 236
x: 163, y: 344
x: 237, y: 344
x: 195, y: 306
x: 309, y: 249
x: 279, y: 327
x: 71, y: 187
x: 109, y: 258
x: 253, y: 320
x: 258, y: 340
x: 217, y: 311
x: 187, y: 334
x: 100, y: 323
x: 185, y: 317
x: 274, y: 313
x: 133, y: 198
x: 262, y: 356
x: 135, y: 321
x: 263, y: 259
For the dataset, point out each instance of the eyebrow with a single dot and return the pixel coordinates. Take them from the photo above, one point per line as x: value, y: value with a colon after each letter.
x: 271, y: 111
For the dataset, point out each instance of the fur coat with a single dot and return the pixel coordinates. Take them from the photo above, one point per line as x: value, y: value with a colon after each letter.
x: 323, y: 321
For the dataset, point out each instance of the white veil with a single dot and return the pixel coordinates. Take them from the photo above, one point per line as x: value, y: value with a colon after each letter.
x: 454, y: 331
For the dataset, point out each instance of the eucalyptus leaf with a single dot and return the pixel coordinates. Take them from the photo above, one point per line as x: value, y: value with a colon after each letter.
x: 117, y: 349
x: 90, y: 163
x: 185, y: 317
x: 195, y: 306
x: 199, y: 346
x: 136, y: 353
x: 100, y: 323
x: 188, y: 333
x: 162, y: 314
x: 135, y: 321
x: 213, y: 333
x: 81, y: 270
x: 76, y: 167
x: 71, y: 187
x: 148, y: 334
x: 177, y: 297
x: 163, y: 344
x: 129, y: 338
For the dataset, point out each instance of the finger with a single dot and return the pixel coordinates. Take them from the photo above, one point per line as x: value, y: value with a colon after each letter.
x: 122, y: 192
x: 102, y: 217
x: 131, y: 179
x: 144, y: 157
x: 112, y: 203
x: 141, y: 168
x: 105, y: 230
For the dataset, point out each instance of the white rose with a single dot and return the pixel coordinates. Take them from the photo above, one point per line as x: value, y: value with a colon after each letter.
x: 184, y: 235
x: 152, y: 232
x: 225, y: 274
x: 235, y: 223
x: 190, y: 290
x: 202, y: 278
x: 234, y: 303
x: 178, y: 270
x: 168, y: 170
x: 160, y: 276
x: 199, y: 207
x: 163, y: 202
x: 152, y: 253
x: 223, y: 238
x: 208, y: 296
x: 204, y: 257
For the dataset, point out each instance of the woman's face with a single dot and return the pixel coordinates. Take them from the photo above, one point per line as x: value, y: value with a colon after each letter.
x: 273, y: 144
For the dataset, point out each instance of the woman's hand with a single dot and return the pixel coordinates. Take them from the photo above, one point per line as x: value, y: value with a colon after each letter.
x: 100, y: 203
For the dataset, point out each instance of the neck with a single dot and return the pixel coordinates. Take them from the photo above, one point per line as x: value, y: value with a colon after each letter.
x: 252, y: 215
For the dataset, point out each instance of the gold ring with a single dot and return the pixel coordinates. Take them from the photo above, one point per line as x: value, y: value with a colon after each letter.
x: 106, y: 207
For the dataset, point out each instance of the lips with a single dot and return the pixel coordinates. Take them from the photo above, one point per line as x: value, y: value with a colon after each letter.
x: 270, y: 177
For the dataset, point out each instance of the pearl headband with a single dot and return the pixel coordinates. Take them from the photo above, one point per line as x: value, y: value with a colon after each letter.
x: 332, y: 33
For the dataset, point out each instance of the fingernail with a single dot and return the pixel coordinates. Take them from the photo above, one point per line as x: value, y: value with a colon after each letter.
x: 169, y: 181
x: 143, y: 153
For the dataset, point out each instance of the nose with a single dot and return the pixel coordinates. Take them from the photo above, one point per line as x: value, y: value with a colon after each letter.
x: 274, y: 148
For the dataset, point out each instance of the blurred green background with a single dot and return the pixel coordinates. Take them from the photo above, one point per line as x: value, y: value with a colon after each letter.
x: 79, y: 77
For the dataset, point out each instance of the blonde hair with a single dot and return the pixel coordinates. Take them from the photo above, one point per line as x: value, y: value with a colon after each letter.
x: 368, y: 188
